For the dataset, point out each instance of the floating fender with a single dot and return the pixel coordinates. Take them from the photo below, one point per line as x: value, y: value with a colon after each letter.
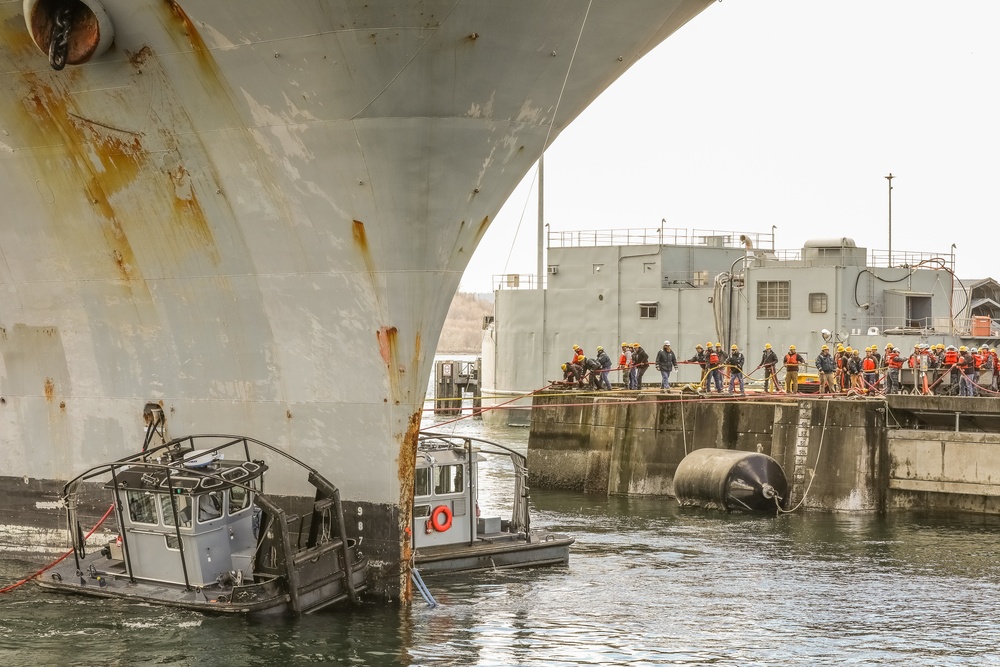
x: 728, y: 479
x: 90, y: 29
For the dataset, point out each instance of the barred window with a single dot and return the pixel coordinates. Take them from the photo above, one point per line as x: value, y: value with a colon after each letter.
x: 817, y: 302
x: 773, y: 298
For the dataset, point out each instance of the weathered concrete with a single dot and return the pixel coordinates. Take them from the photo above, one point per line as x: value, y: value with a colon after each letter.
x: 838, y: 454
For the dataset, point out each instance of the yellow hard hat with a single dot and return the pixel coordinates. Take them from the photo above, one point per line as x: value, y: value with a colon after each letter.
x: 767, y: 346
x: 850, y: 349
x: 963, y: 349
x: 734, y: 346
x: 698, y: 347
x: 718, y: 345
x: 840, y: 347
x: 888, y: 346
x: 825, y: 347
x: 709, y: 343
x: 624, y: 344
x: 635, y: 344
x: 940, y: 346
x: 600, y: 348
x: 576, y: 347
x: 564, y: 366
x: 791, y: 347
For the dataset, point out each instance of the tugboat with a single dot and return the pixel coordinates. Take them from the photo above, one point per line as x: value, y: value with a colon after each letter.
x: 448, y: 533
x: 197, y: 531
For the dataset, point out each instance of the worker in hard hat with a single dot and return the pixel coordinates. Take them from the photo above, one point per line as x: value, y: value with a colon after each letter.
x: 640, y: 361
x: 893, y: 364
x: 701, y: 359
x: 605, y: 361
x: 769, y: 361
x: 714, y: 369
x: 722, y: 372
x: 827, y: 367
x: 666, y: 363
x: 736, y: 362
x: 966, y: 367
x: 625, y: 365
x: 791, y: 364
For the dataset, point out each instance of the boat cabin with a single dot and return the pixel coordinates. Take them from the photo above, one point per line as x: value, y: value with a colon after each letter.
x: 204, y: 524
x: 449, y: 535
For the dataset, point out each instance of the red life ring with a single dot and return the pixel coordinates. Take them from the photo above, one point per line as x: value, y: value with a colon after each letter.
x: 437, y: 523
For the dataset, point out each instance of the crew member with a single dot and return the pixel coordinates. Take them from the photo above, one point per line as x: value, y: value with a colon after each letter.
x: 893, y: 362
x: 666, y: 361
x: 827, y: 367
x: 768, y: 361
x: 736, y: 361
x: 625, y: 365
x: 714, y: 372
x: 870, y: 368
x: 702, y: 360
x: 641, y: 361
x: 605, y: 361
x: 791, y: 363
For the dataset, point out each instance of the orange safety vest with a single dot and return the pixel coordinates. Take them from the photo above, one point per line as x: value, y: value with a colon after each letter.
x: 868, y: 365
x: 951, y: 357
x: 713, y: 358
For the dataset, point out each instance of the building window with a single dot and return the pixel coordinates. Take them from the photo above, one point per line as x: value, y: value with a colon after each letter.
x: 648, y: 311
x: 817, y: 302
x: 699, y: 278
x: 773, y: 299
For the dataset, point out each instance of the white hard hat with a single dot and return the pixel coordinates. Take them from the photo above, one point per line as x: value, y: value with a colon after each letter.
x: 666, y: 342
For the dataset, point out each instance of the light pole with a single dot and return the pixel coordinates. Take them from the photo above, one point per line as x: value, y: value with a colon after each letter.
x: 889, y: 178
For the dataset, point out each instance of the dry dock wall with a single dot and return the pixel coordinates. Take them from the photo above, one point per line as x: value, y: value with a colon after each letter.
x: 858, y: 454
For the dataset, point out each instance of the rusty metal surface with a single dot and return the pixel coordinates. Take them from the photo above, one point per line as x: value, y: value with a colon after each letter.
x: 256, y: 213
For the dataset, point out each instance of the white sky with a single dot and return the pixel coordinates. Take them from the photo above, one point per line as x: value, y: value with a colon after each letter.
x: 788, y: 113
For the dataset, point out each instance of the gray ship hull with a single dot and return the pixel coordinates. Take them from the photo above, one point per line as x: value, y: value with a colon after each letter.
x: 255, y: 214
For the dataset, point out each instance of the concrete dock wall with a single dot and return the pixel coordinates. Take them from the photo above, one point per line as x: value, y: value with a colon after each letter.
x: 838, y: 454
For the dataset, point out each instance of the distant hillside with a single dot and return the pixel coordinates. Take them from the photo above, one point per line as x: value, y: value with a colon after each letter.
x: 463, y: 330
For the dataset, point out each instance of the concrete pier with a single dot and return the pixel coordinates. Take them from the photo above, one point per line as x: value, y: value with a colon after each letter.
x: 847, y: 454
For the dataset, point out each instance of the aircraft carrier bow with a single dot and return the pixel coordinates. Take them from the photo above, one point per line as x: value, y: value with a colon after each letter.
x: 253, y: 215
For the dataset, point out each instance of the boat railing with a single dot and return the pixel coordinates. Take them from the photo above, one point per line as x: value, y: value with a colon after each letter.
x: 711, y: 238
x: 520, y: 520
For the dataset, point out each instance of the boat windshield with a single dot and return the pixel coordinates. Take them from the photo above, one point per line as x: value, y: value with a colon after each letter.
x: 450, y: 479
x: 183, y: 509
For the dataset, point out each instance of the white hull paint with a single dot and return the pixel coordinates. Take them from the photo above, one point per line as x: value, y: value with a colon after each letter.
x: 256, y: 214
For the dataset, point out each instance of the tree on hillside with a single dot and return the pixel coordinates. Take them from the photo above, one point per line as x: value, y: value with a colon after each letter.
x: 463, y: 329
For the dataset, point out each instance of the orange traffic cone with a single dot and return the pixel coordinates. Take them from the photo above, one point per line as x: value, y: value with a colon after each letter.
x: 927, y: 389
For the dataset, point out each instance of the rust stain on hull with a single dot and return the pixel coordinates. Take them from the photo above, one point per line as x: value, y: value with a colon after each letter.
x: 50, y: 389
x: 407, y: 471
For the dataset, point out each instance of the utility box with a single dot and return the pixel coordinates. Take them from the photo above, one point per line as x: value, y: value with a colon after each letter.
x: 981, y: 326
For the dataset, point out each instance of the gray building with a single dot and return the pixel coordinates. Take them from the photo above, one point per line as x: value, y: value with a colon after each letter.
x: 694, y: 287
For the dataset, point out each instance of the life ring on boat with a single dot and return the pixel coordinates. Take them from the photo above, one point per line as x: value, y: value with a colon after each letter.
x: 439, y: 524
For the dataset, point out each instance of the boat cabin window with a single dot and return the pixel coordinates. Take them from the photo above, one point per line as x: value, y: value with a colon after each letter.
x: 420, y: 511
x: 141, y: 507
x: 450, y: 480
x: 422, y: 482
x: 183, y: 509
x: 209, y: 506
x: 239, y: 499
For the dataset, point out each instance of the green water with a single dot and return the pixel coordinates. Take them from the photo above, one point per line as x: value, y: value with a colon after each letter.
x: 647, y: 584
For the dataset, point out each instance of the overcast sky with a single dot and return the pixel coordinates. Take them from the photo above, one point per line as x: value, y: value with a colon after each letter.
x: 788, y: 113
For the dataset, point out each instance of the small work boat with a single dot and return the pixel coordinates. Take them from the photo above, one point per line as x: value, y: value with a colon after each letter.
x: 448, y: 533
x: 196, y: 530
